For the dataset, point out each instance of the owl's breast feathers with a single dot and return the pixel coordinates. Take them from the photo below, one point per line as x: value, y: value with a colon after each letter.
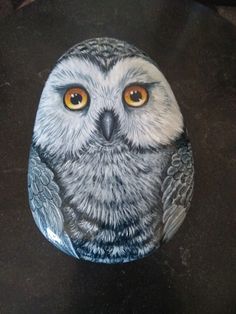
x: 118, y: 204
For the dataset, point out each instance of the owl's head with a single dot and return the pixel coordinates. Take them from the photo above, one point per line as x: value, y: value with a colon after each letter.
x: 106, y: 91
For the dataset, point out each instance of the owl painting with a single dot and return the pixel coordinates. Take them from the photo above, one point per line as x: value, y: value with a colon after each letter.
x: 110, y: 170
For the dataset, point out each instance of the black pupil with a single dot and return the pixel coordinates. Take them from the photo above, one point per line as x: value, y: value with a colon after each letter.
x: 76, y: 99
x: 135, y: 96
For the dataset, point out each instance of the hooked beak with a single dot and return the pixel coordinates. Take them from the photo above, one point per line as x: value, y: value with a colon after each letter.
x: 107, y: 123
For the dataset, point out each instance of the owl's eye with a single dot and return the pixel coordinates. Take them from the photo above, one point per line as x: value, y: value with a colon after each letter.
x: 76, y: 98
x: 135, y: 95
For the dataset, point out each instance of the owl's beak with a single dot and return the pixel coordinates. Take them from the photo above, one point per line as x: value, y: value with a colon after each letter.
x: 107, y: 123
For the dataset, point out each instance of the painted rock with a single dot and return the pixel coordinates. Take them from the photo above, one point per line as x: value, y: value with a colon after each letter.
x: 110, y: 169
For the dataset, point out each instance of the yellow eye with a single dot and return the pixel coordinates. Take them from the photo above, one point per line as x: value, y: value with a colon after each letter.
x: 76, y: 98
x: 135, y: 95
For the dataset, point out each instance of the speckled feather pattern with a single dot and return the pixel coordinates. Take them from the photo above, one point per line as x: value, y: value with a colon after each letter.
x: 105, y: 52
x: 111, y: 201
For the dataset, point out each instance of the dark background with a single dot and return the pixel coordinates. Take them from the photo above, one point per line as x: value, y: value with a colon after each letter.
x: 196, y: 50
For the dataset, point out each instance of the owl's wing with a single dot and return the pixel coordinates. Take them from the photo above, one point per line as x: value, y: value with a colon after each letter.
x: 45, y: 203
x: 177, y: 188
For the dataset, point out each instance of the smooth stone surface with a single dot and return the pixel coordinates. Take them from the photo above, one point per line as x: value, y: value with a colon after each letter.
x: 195, y: 272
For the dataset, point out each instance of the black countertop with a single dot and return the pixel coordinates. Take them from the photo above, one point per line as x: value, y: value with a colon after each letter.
x: 195, y: 272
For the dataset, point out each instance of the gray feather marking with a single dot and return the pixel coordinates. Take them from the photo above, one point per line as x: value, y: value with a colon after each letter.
x: 168, y: 213
x: 177, y: 190
x: 174, y: 226
x: 45, y: 204
x: 172, y: 170
x: 47, y: 193
x: 45, y: 179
